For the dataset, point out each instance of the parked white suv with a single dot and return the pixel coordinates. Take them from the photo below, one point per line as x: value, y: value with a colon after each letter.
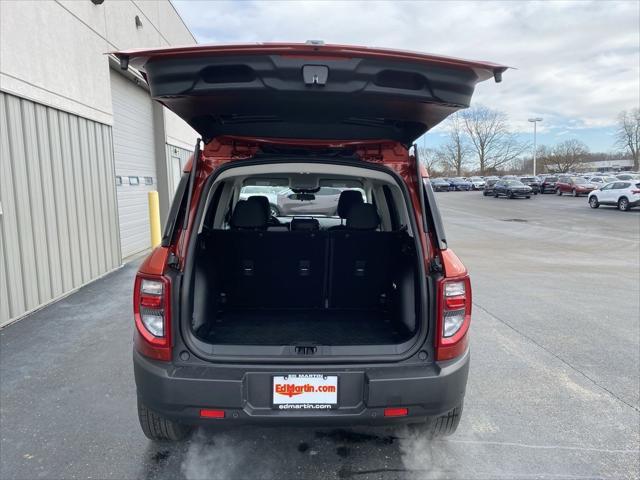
x: 477, y: 183
x: 624, y: 195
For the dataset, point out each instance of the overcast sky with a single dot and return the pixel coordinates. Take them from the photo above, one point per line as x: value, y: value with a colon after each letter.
x: 576, y: 64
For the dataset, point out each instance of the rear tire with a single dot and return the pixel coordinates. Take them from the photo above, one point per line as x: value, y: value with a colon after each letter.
x: 510, y: 195
x: 593, y: 202
x: 623, y: 204
x: 442, y: 426
x: 156, y: 427
x: 528, y: 196
x: 273, y: 210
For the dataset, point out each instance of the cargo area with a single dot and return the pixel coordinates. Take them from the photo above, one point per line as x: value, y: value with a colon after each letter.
x: 289, y: 288
x: 344, y: 277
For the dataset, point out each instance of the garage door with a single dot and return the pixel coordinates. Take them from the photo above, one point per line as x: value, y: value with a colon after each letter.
x: 134, y: 151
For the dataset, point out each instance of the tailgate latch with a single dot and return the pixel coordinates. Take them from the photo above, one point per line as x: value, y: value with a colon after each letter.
x: 306, y: 349
x: 315, y: 74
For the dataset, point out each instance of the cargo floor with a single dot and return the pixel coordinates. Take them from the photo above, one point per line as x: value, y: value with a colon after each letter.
x: 322, y: 327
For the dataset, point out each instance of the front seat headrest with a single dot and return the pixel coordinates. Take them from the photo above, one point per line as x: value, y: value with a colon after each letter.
x: 249, y: 215
x: 348, y: 199
x: 363, y: 217
x: 262, y: 201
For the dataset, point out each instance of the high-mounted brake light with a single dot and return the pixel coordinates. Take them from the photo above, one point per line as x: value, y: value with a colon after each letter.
x: 454, y: 316
x: 151, y: 309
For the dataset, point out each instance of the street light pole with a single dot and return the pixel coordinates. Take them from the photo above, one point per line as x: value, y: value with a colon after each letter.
x: 535, y: 123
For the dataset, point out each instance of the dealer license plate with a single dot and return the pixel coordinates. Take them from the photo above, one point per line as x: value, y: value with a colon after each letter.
x: 305, y: 392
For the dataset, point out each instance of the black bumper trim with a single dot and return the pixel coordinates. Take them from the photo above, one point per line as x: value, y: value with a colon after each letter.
x: 180, y: 392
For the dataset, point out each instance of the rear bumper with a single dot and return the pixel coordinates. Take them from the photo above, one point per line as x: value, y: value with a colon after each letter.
x: 244, y: 392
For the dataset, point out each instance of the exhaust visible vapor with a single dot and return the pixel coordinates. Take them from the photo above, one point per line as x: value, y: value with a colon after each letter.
x: 210, y: 458
x: 423, y: 457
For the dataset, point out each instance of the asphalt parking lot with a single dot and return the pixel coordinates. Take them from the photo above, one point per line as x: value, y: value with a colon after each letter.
x: 553, y: 390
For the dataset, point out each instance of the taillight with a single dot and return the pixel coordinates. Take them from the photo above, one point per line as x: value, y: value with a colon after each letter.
x: 635, y: 191
x: 454, y: 317
x: 152, y: 312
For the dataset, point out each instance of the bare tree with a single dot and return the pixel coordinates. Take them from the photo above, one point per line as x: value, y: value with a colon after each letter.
x: 430, y: 158
x: 628, y: 134
x: 454, y: 153
x: 543, y: 158
x: 568, y: 155
x: 491, y: 141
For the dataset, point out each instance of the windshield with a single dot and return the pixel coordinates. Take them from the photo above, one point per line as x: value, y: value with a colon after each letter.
x: 528, y: 179
x: 514, y: 183
x: 578, y: 180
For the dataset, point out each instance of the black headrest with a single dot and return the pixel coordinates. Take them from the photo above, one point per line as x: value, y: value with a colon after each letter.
x: 363, y: 217
x: 305, y: 224
x: 249, y: 215
x: 262, y: 201
x: 348, y: 199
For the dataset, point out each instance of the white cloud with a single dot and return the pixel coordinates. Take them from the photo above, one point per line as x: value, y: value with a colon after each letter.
x: 578, y: 63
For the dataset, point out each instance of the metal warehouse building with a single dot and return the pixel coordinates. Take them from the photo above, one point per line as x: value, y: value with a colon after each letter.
x: 81, y: 143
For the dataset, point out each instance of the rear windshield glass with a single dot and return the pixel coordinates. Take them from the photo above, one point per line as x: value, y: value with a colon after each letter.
x: 287, y: 202
x: 551, y: 179
x: 579, y: 180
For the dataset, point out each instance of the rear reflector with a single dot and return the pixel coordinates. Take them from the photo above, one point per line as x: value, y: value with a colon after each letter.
x: 396, y: 412
x: 208, y: 413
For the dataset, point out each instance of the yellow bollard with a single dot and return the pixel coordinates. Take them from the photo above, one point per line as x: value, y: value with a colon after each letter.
x: 154, y: 218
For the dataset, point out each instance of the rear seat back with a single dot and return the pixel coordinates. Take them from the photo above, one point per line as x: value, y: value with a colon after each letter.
x: 269, y: 269
x: 362, y: 267
x: 362, y: 261
x: 258, y: 268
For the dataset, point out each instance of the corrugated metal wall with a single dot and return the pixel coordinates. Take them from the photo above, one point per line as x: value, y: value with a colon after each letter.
x: 59, y: 221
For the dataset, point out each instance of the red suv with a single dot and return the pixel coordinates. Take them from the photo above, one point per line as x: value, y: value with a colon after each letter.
x: 576, y: 186
x: 361, y: 317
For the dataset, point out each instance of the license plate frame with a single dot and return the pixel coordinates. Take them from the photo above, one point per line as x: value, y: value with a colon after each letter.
x: 304, y: 391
